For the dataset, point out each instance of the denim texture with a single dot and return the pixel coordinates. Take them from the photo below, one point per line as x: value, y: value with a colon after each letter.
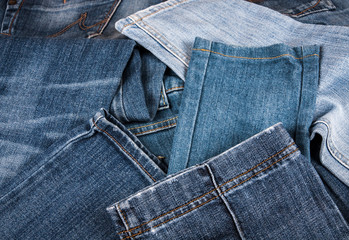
x: 66, y: 18
x: 50, y: 86
x: 71, y: 184
x: 261, y: 189
x: 325, y: 12
x: 170, y: 37
x: 232, y: 93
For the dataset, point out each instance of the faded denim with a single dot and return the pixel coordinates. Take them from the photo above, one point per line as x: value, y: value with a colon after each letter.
x: 66, y: 18
x: 50, y: 86
x: 233, y: 93
x: 170, y: 38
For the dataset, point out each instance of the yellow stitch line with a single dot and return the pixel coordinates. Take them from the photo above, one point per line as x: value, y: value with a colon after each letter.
x: 308, y: 8
x: 173, y: 124
x: 163, y: 98
x: 123, y: 216
x: 151, y: 14
x: 197, y: 198
x: 174, y: 88
x: 283, y: 55
x: 124, y: 150
x: 153, y: 123
x: 261, y: 170
x: 236, y: 185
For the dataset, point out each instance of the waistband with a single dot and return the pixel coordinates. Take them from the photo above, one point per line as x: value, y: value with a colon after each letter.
x: 192, y: 188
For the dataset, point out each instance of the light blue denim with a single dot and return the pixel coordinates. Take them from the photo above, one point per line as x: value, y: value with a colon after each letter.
x: 325, y: 12
x: 168, y: 31
x: 261, y: 189
x: 233, y: 93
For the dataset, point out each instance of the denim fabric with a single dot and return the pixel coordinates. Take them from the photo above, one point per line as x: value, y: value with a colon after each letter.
x: 66, y: 18
x: 261, y: 189
x: 326, y: 12
x: 157, y: 135
x: 232, y: 93
x: 168, y: 31
x: 50, y: 86
x: 74, y: 181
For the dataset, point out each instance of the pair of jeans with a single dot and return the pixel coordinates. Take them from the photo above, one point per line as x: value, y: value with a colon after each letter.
x: 170, y: 38
x: 325, y: 12
x: 66, y: 18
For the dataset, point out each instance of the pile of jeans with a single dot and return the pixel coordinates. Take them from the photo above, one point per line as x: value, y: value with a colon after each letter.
x: 178, y: 119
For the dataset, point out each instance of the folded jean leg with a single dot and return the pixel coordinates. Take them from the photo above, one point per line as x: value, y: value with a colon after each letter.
x: 169, y: 29
x: 261, y: 189
x: 232, y: 93
x: 66, y: 196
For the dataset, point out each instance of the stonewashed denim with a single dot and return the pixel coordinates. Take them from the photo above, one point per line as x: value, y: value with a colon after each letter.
x: 326, y: 12
x: 71, y: 184
x: 168, y: 31
x: 50, y: 86
x: 66, y: 18
x: 233, y: 93
x: 261, y: 189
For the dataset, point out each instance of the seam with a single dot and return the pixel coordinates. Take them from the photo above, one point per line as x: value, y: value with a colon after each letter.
x: 140, y: 19
x: 300, y: 100
x: 197, y: 198
x: 80, y: 22
x: 180, y: 87
x: 225, y: 202
x: 173, y: 124
x: 123, y: 150
x: 307, y: 8
x: 240, y: 57
x: 124, y: 220
x: 13, y: 19
x: 163, y: 98
x: 107, y: 15
x: 209, y: 200
x: 107, y: 18
x: 153, y: 123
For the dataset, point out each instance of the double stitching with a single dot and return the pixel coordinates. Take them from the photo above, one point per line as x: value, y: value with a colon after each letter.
x: 220, y: 186
x: 94, y: 123
x: 151, y: 130
x: 81, y: 22
x: 153, y: 123
x: 307, y: 8
x: 251, y: 58
x: 174, y: 88
x: 209, y: 200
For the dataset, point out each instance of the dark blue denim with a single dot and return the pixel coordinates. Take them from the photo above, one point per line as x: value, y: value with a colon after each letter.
x: 232, y: 93
x: 50, y: 86
x: 261, y: 189
x: 67, y: 189
x: 325, y: 12
x: 66, y: 18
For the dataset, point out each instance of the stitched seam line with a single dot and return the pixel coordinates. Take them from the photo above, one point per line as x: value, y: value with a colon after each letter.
x: 123, y: 216
x: 173, y: 124
x: 134, y: 22
x: 212, y: 189
x: 307, y: 9
x: 283, y: 55
x: 84, y: 27
x: 236, y: 185
x: 153, y: 123
x: 107, y: 15
x: 67, y: 27
x: 163, y: 98
x: 14, y: 17
x: 124, y: 150
x: 173, y: 88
